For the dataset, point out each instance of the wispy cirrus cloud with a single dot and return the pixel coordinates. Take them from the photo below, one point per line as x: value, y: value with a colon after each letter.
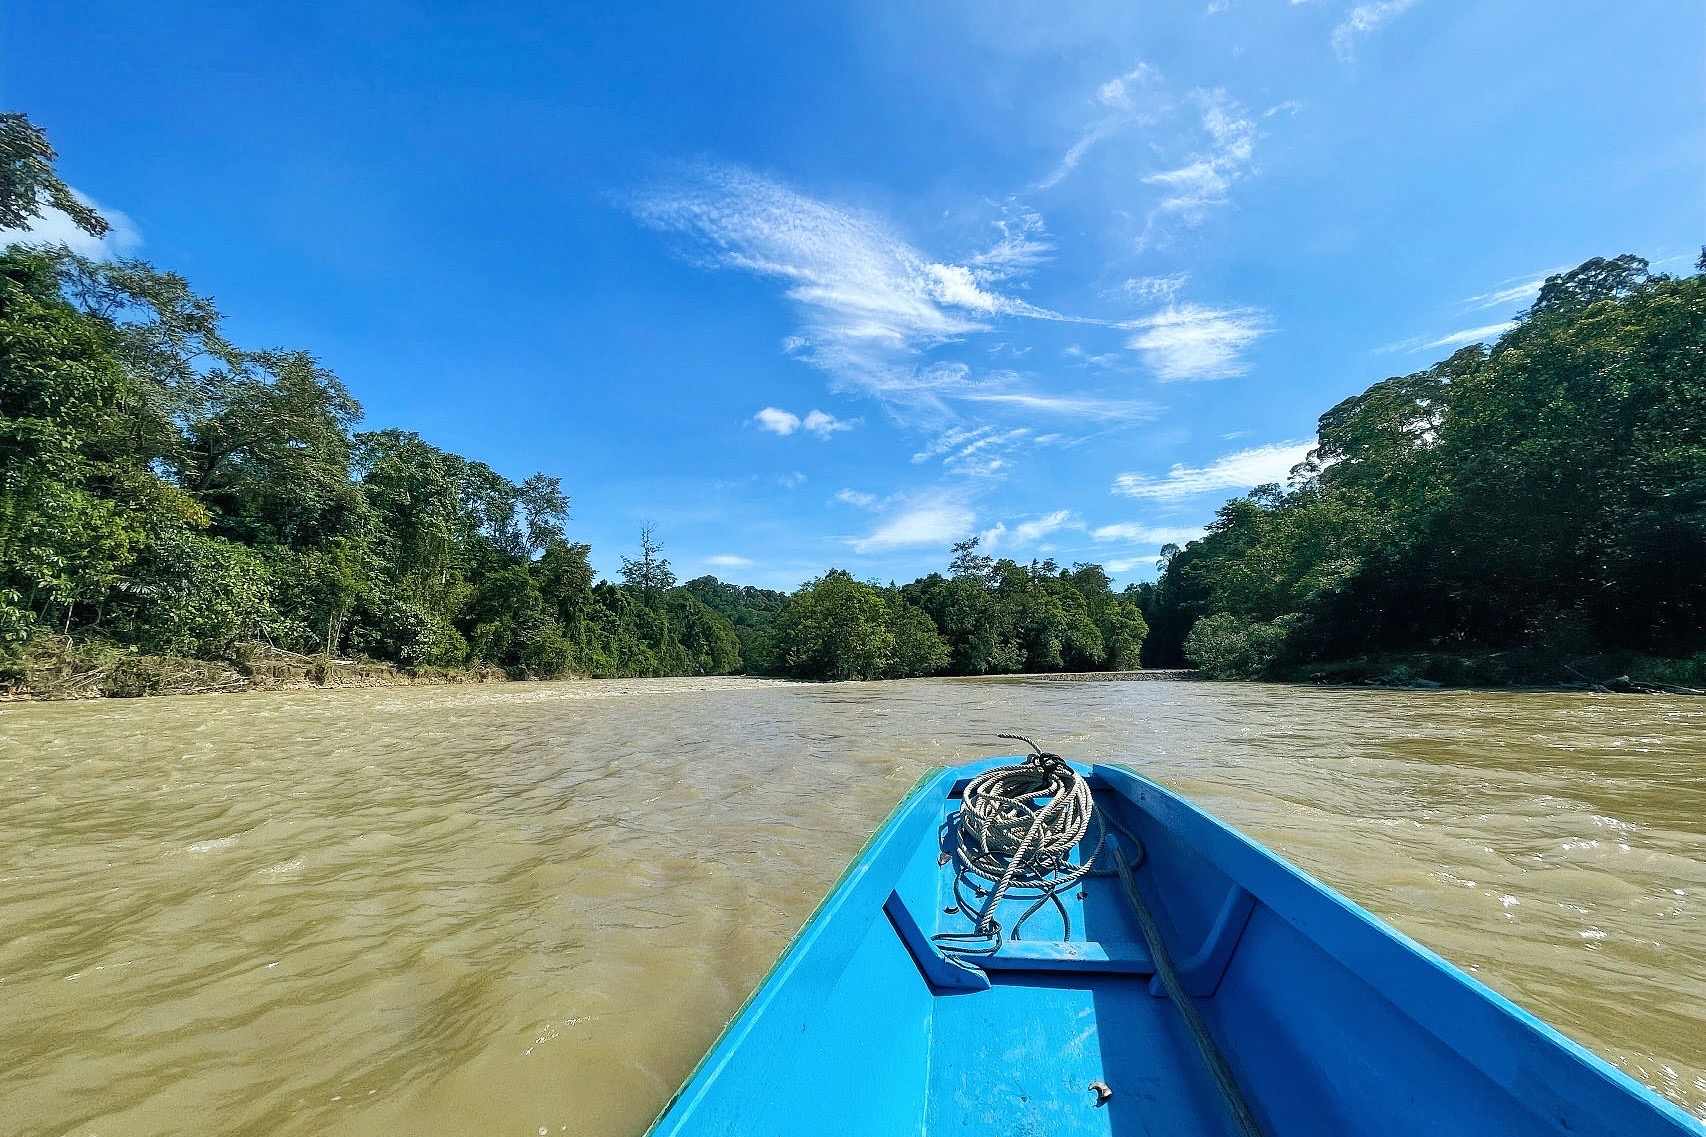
x: 1517, y: 290
x: 1125, y: 100
x: 1211, y: 154
x: 1191, y: 341
x: 1073, y: 406
x: 1156, y: 288
x: 1244, y: 469
x: 1523, y: 293
x: 1362, y: 21
x: 1483, y: 334
x: 1024, y: 245
x: 869, y: 300
x: 1206, y: 179
x: 976, y: 451
x: 730, y: 560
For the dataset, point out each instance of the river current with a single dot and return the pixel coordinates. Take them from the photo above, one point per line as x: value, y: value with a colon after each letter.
x: 529, y: 908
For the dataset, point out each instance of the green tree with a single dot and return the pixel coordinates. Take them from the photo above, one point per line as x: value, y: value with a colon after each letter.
x: 1548, y: 492
x: 28, y: 182
x: 650, y: 576
x: 835, y: 627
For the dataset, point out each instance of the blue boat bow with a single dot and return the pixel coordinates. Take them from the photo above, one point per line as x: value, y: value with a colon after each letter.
x: 877, y: 1020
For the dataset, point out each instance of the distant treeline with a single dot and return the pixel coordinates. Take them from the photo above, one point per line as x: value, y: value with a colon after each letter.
x: 1542, y: 502
x: 168, y: 492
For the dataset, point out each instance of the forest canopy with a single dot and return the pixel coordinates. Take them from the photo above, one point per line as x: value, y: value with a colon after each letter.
x: 1544, y: 497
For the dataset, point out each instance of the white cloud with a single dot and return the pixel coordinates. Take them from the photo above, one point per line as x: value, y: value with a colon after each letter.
x: 1126, y: 564
x: 1145, y: 534
x: 55, y: 227
x: 1364, y: 20
x: 933, y: 521
x: 729, y: 560
x: 1116, y: 92
x: 1030, y: 532
x: 857, y: 497
x: 1221, y: 154
x: 778, y: 420
x: 1106, y: 359
x: 1242, y: 470
x: 790, y: 481
x: 824, y: 424
x: 950, y: 440
x: 1473, y: 335
x: 821, y: 423
x: 1523, y: 293
x: 1514, y: 291
x: 1189, y: 341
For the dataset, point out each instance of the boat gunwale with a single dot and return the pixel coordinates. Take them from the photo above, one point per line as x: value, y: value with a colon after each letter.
x: 1357, y: 938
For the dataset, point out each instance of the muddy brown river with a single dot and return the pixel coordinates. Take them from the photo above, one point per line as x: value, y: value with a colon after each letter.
x: 528, y: 908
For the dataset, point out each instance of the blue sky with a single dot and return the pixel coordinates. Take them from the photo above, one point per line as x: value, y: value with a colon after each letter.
x: 814, y: 285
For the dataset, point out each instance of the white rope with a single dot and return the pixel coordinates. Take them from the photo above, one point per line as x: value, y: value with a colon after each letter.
x: 1018, y: 828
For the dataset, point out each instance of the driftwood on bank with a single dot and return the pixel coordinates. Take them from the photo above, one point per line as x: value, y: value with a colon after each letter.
x: 1623, y: 685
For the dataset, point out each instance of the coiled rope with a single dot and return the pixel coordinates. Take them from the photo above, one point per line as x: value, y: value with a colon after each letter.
x: 1018, y: 826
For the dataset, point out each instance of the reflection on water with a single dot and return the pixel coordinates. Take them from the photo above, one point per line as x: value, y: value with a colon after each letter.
x: 528, y: 909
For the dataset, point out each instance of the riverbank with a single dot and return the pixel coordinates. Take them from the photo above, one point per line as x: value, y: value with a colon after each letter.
x: 59, y: 667
x: 1158, y: 674
x: 1529, y: 669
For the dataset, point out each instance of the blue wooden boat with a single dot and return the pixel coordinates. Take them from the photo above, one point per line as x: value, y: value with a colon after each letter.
x: 899, y: 1010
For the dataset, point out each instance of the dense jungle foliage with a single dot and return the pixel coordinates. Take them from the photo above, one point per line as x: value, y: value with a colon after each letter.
x: 1542, y: 501
x: 167, y: 492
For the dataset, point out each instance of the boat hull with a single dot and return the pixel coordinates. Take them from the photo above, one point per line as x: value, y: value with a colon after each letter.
x: 1332, y: 1022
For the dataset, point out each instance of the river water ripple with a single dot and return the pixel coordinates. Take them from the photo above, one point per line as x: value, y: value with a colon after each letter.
x: 528, y: 908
